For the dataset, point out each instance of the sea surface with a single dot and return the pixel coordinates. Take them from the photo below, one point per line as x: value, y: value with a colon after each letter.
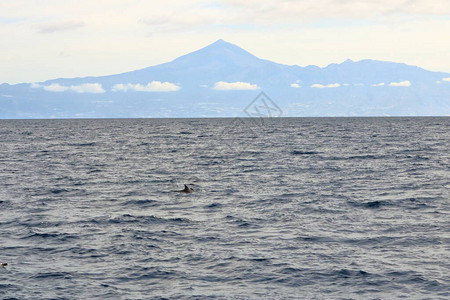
x: 286, y: 208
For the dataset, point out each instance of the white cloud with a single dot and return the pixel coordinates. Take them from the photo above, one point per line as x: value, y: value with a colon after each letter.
x: 295, y: 85
x: 155, y: 20
x: 346, y: 84
x: 59, y: 26
x: 378, y: 84
x: 287, y: 9
x: 446, y: 79
x: 121, y: 87
x: 55, y: 87
x: 94, y: 88
x: 238, y: 85
x: 154, y: 86
x: 321, y: 86
x: 405, y: 83
x: 35, y: 85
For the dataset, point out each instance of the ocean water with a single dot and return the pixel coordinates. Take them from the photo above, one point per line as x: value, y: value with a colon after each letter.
x: 289, y: 208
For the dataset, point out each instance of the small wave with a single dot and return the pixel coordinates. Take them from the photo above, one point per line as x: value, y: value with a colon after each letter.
x: 140, y: 203
x: 5, y: 203
x: 58, y: 191
x: 316, y: 239
x: 367, y: 156
x: 370, y: 204
x: 290, y: 271
x: 411, y: 277
x: 61, y: 237
x: 126, y: 218
x: 84, y: 251
x: 300, y: 152
x: 346, y: 273
x: 214, y: 205
x: 148, y: 273
x: 373, y: 204
x: 53, y: 275
x: 83, y: 144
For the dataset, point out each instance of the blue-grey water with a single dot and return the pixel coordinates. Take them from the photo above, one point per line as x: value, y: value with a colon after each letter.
x: 301, y: 208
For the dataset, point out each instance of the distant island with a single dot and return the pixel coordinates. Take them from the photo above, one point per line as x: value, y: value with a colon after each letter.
x: 222, y: 79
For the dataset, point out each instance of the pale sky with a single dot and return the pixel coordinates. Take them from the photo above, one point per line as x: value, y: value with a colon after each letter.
x: 47, y: 39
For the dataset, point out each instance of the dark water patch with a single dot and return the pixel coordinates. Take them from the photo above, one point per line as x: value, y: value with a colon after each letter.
x: 291, y: 271
x: 300, y: 152
x: 58, y: 191
x: 204, y: 239
x: 42, y: 222
x: 373, y: 204
x: 260, y: 260
x: 214, y: 205
x: 50, y: 194
x: 52, y: 275
x: 88, y: 144
x: 50, y: 236
x: 91, y: 252
x: 370, y: 204
x: 316, y: 239
x: 372, y: 241
x: 9, y: 287
x: 346, y: 273
x: 5, y: 203
x: 357, y: 157
x: 367, y: 156
x: 126, y: 218
x: 141, y: 203
x: 418, y: 157
x: 419, y: 281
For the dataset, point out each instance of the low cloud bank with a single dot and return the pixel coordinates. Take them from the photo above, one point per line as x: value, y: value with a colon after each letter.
x: 154, y: 86
x: 93, y: 88
x: 405, y: 83
x: 321, y: 86
x: 238, y: 85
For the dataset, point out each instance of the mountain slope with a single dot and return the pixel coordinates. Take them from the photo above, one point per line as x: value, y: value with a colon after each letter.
x: 189, y: 86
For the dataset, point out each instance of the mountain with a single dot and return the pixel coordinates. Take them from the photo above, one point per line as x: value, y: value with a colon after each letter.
x: 222, y: 79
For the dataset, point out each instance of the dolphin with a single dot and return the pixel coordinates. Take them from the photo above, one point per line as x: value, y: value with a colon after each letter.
x: 186, y: 190
x: 2, y: 265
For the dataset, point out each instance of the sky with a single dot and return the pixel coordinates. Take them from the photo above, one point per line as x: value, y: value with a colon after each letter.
x: 47, y: 39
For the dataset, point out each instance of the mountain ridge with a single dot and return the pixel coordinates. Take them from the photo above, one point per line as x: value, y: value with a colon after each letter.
x: 227, y: 78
